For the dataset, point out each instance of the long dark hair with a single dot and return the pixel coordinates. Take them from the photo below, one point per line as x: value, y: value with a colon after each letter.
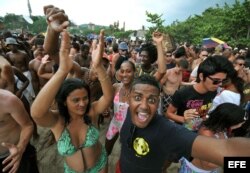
x: 224, y: 116
x: 66, y: 88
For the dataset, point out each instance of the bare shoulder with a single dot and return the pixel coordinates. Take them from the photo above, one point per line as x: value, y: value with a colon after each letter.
x: 117, y: 86
x: 3, y: 61
x: 32, y: 62
x: 115, y: 57
x: 205, y: 132
x: 7, y: 96
x: 77, y: 56
x: 5, y: 67
x: 9, y: 100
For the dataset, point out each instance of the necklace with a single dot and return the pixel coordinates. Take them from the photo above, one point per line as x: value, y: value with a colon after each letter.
x: 125, y: 93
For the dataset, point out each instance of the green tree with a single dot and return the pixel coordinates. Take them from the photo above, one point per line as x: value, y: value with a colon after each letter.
x: 230, y: 23
x: 39, y: 25
x: 122, y: 34
x: 157, y: 22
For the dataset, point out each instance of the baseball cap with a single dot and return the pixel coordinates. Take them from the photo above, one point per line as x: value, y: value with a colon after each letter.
x: 10, y: 40
x: 123, y: 46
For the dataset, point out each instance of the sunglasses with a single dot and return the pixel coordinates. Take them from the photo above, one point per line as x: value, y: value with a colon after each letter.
x: 241, y: 64
x: 168, y: 55
x: 123, y: 50
x: 216, y: 81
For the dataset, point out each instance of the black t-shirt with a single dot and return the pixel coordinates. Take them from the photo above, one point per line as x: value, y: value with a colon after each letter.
x: 161, y: 140
x: 188, y: 98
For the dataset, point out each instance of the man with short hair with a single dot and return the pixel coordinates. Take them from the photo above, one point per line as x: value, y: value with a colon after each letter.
x: 148, y: 139
x: 190, y: 104
x: 243, y: 72
x: 83, y: 58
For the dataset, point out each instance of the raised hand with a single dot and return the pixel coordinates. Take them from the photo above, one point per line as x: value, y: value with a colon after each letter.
x: 56, y: 18
x: 13, y: 160
x: 65, y: 62
x: 98, y: 50
x: 45, y: 59
x: 157, y: 37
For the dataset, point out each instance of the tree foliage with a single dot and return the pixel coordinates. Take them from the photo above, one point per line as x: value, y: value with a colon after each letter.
x: 228, y: 23
x: 157, y: 22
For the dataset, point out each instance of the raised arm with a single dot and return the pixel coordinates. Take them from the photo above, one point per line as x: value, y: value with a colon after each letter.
x: 157, y: 38
x: 104, y: 102
x: 57, y: 20
x: 40, y: 109
x: 41, y: 72
x: 214, y: 150
x: 75, y: 71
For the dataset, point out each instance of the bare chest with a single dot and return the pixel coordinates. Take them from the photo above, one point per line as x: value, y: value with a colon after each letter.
x: 17, y: 58
x: 174, y: 78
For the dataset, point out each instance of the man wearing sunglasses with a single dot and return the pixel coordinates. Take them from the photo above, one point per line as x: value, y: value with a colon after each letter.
x: 190, y: 104
x: 242, y: 70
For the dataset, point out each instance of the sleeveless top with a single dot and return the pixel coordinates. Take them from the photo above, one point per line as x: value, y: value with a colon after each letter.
x: 65, y: 146
x: 120, y: 112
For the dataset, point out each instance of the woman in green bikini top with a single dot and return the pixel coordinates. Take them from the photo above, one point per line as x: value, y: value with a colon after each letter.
x: 73, y: 124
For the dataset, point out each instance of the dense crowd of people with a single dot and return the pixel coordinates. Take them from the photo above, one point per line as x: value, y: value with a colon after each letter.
x: 164, y: 105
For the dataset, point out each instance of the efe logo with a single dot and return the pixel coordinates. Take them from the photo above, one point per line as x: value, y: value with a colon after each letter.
x: 237, y: 164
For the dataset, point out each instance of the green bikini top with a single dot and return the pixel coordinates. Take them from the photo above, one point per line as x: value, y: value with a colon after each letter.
x: 65, y: 146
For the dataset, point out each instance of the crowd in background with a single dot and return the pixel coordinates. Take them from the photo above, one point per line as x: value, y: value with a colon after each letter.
x: 206, y: 90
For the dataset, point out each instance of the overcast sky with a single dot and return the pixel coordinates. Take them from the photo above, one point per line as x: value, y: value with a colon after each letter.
x: 106, y: 12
